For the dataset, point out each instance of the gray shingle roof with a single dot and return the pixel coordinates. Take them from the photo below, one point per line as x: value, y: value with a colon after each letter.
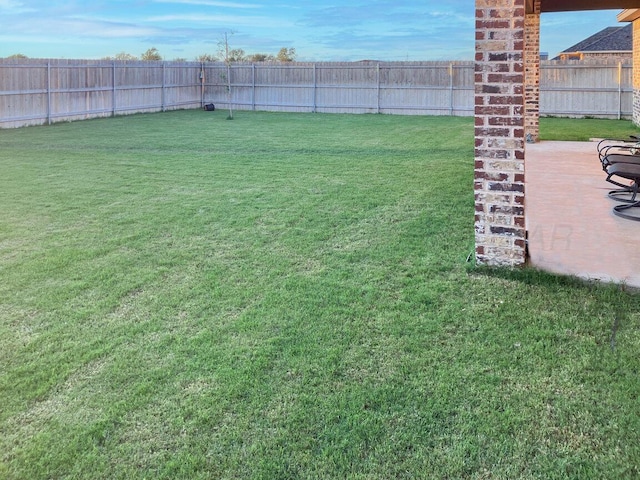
x: 611, y: 39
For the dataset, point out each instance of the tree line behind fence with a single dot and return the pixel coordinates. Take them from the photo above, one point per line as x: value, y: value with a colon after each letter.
x: 46, y: 91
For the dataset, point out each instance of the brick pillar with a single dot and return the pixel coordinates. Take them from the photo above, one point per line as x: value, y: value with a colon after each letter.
x: 532, y: 73
x: 636, y: 72
x: 499, y: 133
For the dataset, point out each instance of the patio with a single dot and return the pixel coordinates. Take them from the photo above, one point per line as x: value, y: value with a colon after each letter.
x: 571, y: 225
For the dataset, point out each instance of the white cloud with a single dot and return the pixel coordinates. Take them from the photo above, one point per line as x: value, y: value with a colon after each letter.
x: 232, y: 20
x: 78, y: 28
x: 13, y: 7
x: 209, y: 3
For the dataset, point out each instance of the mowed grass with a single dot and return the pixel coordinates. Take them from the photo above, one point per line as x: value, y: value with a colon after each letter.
x: 287, y: 296
x: 554, y: 128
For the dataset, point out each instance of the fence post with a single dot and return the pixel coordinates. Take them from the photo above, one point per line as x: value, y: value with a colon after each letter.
x: 229, y: 93
x: 113, y: 91
x: 253, y: 87
x: 378, y: 87
x: 163, y: 99
x: 315, y: 88
x: 619, y: 90
x: 451, y: 89
x: 201, y: 76
x: 48, y: 92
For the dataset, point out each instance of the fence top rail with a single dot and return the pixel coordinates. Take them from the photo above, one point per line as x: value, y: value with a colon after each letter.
x: 611, y: 66
x: 67, y: 63
x: 31, y: 63
x: 80, y: 62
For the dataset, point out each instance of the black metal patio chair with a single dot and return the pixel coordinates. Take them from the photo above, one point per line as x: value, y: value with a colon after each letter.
x: 628, y: 194
x: 612, y: 152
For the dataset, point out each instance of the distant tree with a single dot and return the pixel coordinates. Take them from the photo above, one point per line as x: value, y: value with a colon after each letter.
x: 179, y: 59
x: 237, y: 55
x: 261, y: 57
x: 286, y: 54
x: 17, y: 55
x: 207, y: 58
x: 151, y: 55
x: 122, y: 56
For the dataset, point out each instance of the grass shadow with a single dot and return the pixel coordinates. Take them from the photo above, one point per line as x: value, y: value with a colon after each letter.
x: 533, y: 276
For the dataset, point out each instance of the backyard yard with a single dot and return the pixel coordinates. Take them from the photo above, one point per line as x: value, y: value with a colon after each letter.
x: 288, y: 296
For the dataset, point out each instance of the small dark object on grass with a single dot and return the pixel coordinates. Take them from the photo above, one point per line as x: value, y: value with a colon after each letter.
x: 209, y: 107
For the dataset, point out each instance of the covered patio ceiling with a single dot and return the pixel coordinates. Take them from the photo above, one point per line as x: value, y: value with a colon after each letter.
x: 576, y: 5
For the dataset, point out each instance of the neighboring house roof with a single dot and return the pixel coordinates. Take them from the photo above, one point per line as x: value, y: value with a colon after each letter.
x: 611, y: 39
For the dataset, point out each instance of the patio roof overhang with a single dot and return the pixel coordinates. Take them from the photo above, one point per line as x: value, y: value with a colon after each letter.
x: 577, y: 5
x: 629, y: 15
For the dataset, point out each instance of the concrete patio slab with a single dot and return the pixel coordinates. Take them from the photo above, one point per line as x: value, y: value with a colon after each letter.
x: 570, y: 220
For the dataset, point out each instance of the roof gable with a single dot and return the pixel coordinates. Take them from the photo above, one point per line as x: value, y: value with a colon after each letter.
x: 611, y: 39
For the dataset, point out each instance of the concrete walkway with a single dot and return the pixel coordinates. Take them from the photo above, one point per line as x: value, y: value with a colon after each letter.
x: 572, y: 229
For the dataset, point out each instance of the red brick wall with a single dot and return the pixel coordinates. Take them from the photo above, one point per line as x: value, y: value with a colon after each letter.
x: 499, y: 132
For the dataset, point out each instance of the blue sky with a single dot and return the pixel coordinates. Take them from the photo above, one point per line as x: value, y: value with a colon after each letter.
x: 319, y: 30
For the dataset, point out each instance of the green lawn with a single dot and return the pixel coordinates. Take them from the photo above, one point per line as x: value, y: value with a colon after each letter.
x: 585, y: 129
x: 287, y: 296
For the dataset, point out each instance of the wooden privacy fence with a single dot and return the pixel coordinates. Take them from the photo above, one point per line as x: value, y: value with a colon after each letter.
x: 36, y: 92
x: 46, y: 91
x: 425, y: 88
x: 602, y: 89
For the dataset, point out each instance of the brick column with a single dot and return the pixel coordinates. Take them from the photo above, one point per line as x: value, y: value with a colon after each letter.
x: 499, y: 133
x: 532, y: 73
